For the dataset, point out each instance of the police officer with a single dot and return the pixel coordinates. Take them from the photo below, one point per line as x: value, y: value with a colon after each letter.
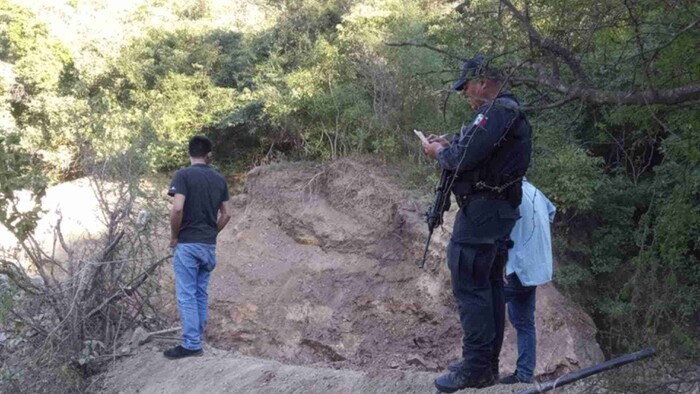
x: 489, y: 158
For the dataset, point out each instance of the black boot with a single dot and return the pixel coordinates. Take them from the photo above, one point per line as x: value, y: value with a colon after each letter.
x: 455, y: 381
x: 180, y: 352
x: 455, y: 366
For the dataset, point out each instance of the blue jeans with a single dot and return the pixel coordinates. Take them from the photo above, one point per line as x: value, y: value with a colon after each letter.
x: 521, y: 312
x: 193, y: 264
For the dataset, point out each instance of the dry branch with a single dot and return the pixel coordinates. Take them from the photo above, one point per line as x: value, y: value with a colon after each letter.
x: 551, y: 46
x: 427, y: 46
x: 130, y: 289
x: 643, y: 97
x: 141, y: 336
x: 580, y: 90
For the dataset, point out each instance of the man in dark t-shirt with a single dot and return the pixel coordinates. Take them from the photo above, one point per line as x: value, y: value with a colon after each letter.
x: 200, y: 193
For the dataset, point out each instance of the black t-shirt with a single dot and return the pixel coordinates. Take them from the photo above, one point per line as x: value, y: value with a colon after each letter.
x: 204, y: 190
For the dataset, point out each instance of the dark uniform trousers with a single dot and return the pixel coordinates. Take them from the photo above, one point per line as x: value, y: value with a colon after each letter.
x: 477, y: 284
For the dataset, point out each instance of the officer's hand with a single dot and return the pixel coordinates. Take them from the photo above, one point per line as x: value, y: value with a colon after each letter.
x: 441, y: 139
x: 431, y: 149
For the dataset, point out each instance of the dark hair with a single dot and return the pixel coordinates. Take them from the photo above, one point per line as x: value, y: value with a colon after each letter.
x: 199, y: 146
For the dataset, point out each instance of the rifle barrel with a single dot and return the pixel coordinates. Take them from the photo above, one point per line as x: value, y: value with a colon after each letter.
x: 421, y: 263
x: 434, y: 215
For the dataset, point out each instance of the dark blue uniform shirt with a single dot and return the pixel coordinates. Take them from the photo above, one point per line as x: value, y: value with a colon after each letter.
x: 497, y: 144
x: 472, y: 145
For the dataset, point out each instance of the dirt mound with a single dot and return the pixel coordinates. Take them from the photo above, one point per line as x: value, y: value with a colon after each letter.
x: 319, y: 268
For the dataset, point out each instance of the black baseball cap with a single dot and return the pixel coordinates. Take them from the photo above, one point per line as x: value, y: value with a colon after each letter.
x: 473, y: 68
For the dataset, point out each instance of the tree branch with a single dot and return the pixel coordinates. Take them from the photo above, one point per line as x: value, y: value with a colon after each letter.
x: 17, y: 276
x: 673, y: 96
x: 640, y: 44
x: 130, y: 289
x: 643, y: 97
x: 419, y: 45
x: 558, y: 103
x: 657, y: 49
x: 566, y: 55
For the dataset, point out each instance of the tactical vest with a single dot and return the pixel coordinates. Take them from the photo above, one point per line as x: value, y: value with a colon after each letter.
x: 500, y: 175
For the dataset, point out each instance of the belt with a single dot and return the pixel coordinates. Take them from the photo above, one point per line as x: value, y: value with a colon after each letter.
x: 463, y: 199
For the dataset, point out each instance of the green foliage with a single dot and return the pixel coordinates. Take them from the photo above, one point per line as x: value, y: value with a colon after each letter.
x: 42, y: 68
x: 565, y: 171
x: 331, y: 78
x: 220, y: 55
x: 193, y: 9
x: 178, y: 108
x: 58, y: 128
x: 241, y: 134
x: 160, y: 90
x: 18, y: 171
x: 636, y: 249
x: 20, y: 33
x: 174, y: 85
x: 39, y: 59
x: 573, y: 275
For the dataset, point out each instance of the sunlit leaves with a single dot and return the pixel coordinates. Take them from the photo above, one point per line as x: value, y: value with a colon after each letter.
x: 18, y: 172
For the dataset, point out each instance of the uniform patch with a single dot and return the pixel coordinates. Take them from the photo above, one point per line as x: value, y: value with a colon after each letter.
x: 480, y: 120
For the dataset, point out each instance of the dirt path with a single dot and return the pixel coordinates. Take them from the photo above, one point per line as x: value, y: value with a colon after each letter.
x: 224, y: 372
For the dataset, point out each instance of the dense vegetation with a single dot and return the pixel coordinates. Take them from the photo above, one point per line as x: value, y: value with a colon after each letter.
x: 611, y: 88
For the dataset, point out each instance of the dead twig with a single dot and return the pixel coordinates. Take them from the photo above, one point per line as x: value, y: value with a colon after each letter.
x: 427, y: 46
x: 128, y: 290
x: 154, y: 334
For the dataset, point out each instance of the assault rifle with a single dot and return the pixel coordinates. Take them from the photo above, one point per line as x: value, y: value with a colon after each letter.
x: 441, y: 204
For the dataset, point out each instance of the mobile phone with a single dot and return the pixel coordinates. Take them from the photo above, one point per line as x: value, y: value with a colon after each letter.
x: 420, y: 135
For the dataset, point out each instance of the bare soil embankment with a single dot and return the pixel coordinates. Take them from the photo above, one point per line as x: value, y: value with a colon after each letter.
x: 317, y: 274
